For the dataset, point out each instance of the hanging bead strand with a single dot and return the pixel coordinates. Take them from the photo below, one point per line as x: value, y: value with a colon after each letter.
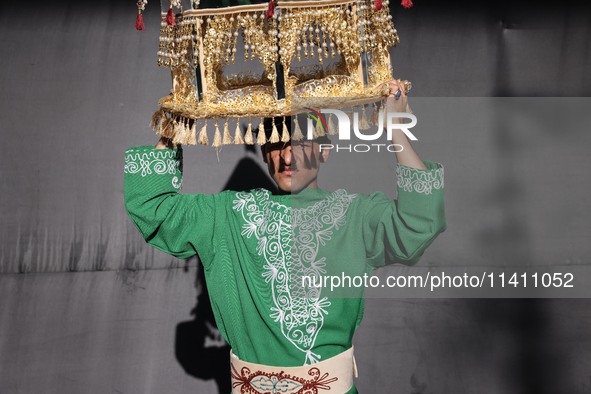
x: 139, y: 20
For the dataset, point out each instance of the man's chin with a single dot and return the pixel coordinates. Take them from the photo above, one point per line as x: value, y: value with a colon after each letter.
x: 289, y: 187
x: 284, y: 185
x: 291, y: 184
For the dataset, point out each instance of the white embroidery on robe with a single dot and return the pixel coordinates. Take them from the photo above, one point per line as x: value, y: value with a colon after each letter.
x: 157, y: 161
x: 289, y: 240
x: 421, y: 181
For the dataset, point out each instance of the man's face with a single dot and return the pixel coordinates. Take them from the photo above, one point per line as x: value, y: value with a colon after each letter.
x: 294, y: 165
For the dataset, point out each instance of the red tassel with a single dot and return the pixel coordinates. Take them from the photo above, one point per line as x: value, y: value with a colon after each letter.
x: 271, y: 9
x: 170, y: 17
x: 407, y: 3
x: 139, y: 21
x: 377, y: 5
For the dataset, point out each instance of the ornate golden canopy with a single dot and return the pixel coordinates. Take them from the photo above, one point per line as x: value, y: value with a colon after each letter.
x: 263, y: 60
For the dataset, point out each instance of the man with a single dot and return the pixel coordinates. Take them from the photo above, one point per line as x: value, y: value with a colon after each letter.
x: 287, y: 335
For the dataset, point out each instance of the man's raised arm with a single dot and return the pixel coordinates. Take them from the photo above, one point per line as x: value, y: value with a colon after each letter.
x: 399, y: 231
x: 177, y: 224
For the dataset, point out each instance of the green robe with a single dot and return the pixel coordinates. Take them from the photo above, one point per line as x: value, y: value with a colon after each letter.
x: 256, y: 247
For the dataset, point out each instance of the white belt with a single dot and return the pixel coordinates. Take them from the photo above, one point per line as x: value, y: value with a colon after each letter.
x: 334, y: 374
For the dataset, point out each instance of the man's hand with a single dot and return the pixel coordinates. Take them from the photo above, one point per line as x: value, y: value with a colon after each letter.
x: 397, y: 101
x: 165, y: 143
x: 397, y: 96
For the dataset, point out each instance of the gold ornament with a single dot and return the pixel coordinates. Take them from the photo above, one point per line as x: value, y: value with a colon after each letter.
x: 347, y: 41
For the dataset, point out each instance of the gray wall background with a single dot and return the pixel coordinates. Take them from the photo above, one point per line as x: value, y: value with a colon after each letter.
x: 86, y: 307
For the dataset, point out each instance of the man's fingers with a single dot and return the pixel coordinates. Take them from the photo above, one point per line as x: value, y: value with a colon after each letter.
x: 395, y: 88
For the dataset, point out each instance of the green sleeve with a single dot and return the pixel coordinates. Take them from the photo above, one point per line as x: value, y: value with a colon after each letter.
x: 399, y: 231
x: 177, y: 224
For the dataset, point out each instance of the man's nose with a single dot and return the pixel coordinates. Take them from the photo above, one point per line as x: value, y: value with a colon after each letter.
x: 286, y: 155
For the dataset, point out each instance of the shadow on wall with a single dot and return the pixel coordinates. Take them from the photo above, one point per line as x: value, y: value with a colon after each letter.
x: 199, y: 346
